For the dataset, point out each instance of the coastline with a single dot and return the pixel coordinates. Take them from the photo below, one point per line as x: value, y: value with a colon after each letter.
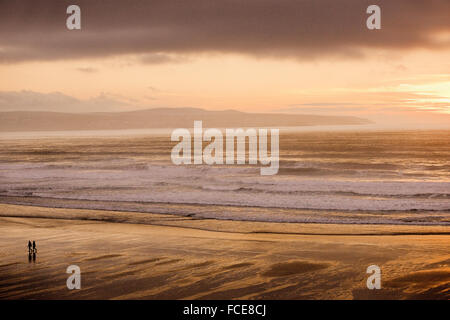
x: 137, y: 210
x: 174, y: 257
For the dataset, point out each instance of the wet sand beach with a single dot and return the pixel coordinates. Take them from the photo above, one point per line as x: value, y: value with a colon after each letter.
x: 175, y: 257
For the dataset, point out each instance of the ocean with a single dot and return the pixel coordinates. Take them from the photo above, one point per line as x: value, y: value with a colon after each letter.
x: 351, y: 177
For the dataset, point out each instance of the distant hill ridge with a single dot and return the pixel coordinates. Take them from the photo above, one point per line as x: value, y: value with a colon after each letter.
x: 160, y: 118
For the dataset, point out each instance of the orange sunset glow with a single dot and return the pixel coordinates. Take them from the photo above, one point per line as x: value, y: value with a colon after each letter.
x: 177, y: 151
x: 314, y: 68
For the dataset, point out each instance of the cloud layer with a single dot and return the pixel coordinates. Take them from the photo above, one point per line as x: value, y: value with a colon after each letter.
x: 26, y: 100
x: 299, y: 29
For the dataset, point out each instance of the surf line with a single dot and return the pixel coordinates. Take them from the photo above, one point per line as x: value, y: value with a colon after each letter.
x: 213, y: 152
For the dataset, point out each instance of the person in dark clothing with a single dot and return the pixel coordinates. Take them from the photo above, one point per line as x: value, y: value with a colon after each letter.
x: 29, y: 246
x: 34, y: 247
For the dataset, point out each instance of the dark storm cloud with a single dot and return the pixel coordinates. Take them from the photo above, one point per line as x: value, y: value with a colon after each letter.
x: 301, y: 29
x: 158, y: 58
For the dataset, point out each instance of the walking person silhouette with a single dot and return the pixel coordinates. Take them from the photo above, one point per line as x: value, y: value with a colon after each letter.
x: 31, y: 254
x: 34, y: 251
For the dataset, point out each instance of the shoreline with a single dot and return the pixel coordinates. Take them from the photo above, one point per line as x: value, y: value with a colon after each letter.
x: 217, y: 225
x: 232, y: 213
x: 188, y: 258
x: 164, y: 132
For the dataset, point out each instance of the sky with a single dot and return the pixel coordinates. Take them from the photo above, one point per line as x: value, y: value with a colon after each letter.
x: 296, y: 56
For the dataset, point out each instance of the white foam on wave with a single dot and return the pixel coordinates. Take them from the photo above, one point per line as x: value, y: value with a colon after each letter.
x: 237, y: 186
